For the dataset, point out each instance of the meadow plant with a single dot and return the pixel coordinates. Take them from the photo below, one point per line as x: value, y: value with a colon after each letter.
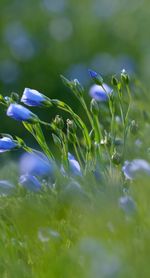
x: 102, y: 141
x: 81, y: 207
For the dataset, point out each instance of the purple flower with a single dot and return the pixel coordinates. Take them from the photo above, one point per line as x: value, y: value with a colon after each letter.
x: 98, y: 93
x: 137, y: 166
x: 6, y: 144
x: 32, y: 97
x: 20, y: 113
x: 6, y: 188
x: 30, y: 183
x: 36, y: 164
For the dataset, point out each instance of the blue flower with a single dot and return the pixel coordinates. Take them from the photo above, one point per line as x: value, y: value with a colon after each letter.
x: 32, y: 97
x: 6, y: 188
x: 74, y: 166
x: 127, y: 204
x: 98, y: 93
x: 20, y: 113
x: 6, y: 144
x: 30, y: 183
x: 135, y: 167
x: 36, y: 164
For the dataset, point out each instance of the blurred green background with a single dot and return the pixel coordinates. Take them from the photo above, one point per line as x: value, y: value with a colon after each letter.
x: 40, y: 39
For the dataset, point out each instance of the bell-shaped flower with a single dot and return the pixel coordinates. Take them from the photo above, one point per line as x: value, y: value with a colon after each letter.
x: 100, y: 93
x: 133, y: 168
x: 30, y: 183
x: 74, y: 165
x: 7, y: 144
x: 36, y: 164
x: 32, y: 97
x: 20, y: 113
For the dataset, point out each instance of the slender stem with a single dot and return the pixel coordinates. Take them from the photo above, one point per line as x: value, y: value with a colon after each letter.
x: 80, y: 149
x: 64, y: 149
x: 86, y: 110
x: 77, y: 154
x: 63, y: 106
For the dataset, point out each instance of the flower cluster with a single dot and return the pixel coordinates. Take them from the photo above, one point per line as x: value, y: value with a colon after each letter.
x: 93, y: 147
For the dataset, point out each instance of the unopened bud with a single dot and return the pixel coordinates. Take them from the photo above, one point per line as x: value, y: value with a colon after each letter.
x: 96, y: 77
x: 114, y: 81
x: 71, y: 130
x: 125, y: 76
x: 14, y: 97
x: 58, y: 122
x: 94, y: 107
x: 77, y: 87
x: 71, y: 126
x: 133, y: 127
x: 66, y: 81
x: 116, y: 158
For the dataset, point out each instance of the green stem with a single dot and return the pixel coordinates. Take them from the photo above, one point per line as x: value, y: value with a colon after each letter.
x: 37, y: 133
x: 77, y: 154
x: 86, y: 110
x: 80, y: 149
x: 63, y: 106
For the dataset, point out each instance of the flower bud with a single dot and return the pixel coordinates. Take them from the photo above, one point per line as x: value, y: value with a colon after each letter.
x: 77, y: 87
x: 14, y: 97
x: 133, y: 127
x: 71, y: 126
x: 116, y: 158
x: 114, y: 81
x: 66, y: 81
x: 125, y: 76
x: 94, y: 107
x: 58, y: 122
x: 96, y: 77
x: 71, y: 131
